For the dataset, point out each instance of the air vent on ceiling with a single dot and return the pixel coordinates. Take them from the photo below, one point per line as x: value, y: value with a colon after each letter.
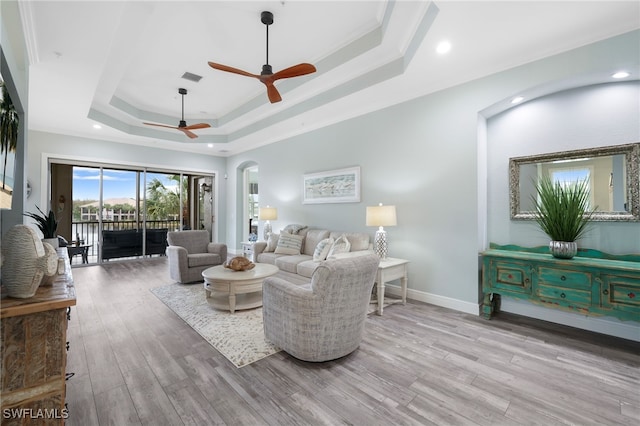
x: 191, y: 77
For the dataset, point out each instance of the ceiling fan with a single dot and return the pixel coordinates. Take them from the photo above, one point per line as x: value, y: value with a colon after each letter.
x: 267, y: 77
x: 183, y: 124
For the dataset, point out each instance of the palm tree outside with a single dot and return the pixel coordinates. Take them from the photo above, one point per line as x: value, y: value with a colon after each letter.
x: 9, y: 122
x: 164, y: 202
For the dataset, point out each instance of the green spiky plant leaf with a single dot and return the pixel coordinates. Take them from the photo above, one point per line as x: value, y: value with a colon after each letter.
x: 47, y: 223
x: 562, y: 211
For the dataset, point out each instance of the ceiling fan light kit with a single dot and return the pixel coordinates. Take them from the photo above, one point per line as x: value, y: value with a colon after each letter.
x: 267, y: 77
x: 182, y: 126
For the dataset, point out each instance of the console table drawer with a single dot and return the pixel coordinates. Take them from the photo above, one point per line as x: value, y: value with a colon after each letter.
x: 511, y: 276
x: 565, y: 278
x: 622, y: 292
x: 571, y: 296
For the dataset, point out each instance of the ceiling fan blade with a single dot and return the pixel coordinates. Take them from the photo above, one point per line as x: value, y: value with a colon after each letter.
x: 272, y: 92
x: 187, y: 132
x: 160, y: 125
x: 196, y: 126
x: 231, y: 69
x: 294, y: 71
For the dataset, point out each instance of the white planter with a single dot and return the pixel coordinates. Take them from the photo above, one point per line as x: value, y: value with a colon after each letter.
x: 52, y: 241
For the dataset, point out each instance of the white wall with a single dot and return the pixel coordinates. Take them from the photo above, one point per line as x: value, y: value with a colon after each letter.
x: 410, y: 155
x: 594, y: 116
x: 588, y: 117
x: 431, y: 158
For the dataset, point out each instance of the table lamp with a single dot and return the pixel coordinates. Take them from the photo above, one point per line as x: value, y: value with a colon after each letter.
x: 381, y: 216
x: 267, y: 213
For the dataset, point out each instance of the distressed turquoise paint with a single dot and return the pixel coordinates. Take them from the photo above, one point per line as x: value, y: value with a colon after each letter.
x: 593, y: 283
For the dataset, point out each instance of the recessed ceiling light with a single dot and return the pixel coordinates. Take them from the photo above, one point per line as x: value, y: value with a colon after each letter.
x: 443, y: 47
x: 621, y: 74
x: 517, y: 100
x: 210, y: 145
x: 97, y: 126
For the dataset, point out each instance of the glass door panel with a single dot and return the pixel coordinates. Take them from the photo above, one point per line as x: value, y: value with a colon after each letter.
x: 205, y: 190
x: 85, y: 192
x: 121, y: 225
x: 163, y: 201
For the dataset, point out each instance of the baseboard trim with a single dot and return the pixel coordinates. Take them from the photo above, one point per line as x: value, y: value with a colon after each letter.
x: 606, y: 325
x: 434, y: 299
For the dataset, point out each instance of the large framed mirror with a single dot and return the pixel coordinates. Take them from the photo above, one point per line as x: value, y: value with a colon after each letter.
x: 612, y: 172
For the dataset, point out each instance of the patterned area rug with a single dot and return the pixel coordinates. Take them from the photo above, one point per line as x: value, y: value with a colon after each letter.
x: 238, y: 336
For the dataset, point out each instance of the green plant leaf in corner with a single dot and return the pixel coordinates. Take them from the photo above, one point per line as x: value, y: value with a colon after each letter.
x: 46, y: 223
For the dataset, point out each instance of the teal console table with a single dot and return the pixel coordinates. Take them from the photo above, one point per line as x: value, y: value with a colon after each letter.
x: 592, y: 283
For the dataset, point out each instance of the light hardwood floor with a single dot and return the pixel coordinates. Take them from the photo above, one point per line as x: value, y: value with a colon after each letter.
x: 136, y: 362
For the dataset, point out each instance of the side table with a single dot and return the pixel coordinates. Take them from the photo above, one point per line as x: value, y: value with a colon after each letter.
x: 391, y: 269
x: 82, y: 250
x: 247, y: 249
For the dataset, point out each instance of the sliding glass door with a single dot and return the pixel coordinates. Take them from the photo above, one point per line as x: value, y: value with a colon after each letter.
x: 125, y: 213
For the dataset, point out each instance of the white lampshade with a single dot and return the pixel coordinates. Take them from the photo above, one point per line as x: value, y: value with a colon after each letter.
x: 268, y: 213
x: 381, y: 216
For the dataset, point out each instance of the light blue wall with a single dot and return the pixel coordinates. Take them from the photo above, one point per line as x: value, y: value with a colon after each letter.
x: 411, y: 155
x: 589, y: 117
x: 429, y: 157
x: 46, y: 146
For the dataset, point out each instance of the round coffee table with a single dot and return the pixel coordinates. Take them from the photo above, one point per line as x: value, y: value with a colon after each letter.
x: 230, y: 290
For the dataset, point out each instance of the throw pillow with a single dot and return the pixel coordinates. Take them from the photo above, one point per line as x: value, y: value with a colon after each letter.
x: 293, y: 228
x: 272, y: 243
x: 322, y: 249
x: 289, y: 244
x: 340, y: 245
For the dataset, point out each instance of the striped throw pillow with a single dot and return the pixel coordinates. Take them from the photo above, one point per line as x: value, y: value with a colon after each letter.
x: 289, y: 243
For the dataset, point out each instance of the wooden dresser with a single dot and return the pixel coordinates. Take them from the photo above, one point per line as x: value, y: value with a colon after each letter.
x: 592, y: 283
x: 34, y: 352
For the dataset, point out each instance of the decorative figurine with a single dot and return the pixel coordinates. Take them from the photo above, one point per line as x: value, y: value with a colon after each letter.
x: 239, y: 263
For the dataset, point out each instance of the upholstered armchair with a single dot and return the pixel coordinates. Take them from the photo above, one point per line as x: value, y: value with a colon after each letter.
x: 323, y: 320
x: 190, y: 253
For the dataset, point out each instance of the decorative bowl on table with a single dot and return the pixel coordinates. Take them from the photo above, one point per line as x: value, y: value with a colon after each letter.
x: 239, y: 263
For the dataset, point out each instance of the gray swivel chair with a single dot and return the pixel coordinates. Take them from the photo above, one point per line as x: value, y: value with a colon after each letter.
x: 322, y: 320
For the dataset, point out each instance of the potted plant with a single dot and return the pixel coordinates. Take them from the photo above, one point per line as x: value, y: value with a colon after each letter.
x: 563, y: 212
x: 48, y: 225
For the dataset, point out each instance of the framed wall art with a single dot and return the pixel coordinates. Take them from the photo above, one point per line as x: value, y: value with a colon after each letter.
x: 334, y: 186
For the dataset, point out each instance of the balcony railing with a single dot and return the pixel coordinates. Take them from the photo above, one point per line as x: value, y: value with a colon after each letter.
x: 89, y: 232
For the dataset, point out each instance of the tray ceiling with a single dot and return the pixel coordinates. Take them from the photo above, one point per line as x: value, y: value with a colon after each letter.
x: 118, y: 64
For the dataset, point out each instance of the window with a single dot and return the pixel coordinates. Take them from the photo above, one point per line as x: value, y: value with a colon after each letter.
x: 108, y: 199
x: 569, y: 175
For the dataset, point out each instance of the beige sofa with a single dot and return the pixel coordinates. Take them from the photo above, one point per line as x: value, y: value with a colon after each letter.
x: 303, y: 263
